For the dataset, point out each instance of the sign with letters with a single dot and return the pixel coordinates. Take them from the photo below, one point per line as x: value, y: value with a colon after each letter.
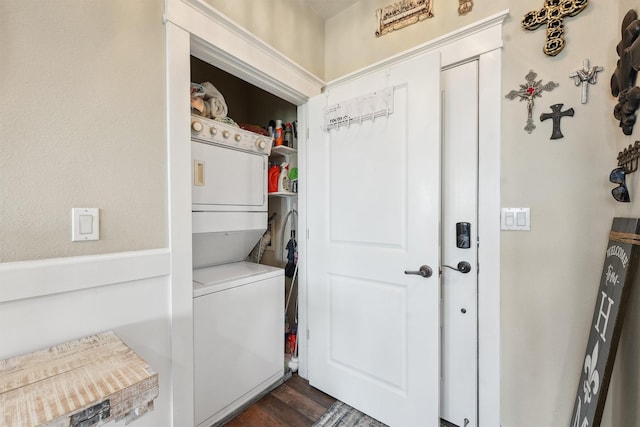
x: 618, y: 275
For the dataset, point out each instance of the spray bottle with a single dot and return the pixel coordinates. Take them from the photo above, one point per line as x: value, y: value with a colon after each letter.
x: 284, y: 183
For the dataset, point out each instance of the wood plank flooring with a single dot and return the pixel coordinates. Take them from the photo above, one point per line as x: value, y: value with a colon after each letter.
x: 293, y: 404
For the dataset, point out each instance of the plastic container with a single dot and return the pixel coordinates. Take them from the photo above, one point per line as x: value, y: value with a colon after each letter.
x: 288, y: 136
x: 273, y: 178
x: 278, y: 135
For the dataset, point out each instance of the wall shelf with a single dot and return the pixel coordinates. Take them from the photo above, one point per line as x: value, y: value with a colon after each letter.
x: 282, y: 150
x: 283, y: 194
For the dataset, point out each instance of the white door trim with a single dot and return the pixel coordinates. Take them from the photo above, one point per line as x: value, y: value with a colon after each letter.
x: 216, y: 38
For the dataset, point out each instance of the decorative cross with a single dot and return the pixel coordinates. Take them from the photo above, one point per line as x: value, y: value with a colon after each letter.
x: 556, y: 115
x: 464, y: 6
x: 553, y: 13
x: 528, y: 91
x: 586, y: 76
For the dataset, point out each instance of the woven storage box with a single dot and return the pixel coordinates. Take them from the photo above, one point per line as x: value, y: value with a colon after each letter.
x: 81, y: 383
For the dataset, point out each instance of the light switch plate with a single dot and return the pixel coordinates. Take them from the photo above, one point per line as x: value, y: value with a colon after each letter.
x: 85, y: 224
x: 515, y: 219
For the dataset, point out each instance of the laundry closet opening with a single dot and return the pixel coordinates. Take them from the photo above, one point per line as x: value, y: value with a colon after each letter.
x: 244, y: 241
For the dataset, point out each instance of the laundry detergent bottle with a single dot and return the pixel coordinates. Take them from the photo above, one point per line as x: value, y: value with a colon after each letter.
x: 273, y: 178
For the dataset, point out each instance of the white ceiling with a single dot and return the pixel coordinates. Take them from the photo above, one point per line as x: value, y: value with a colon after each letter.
x: 328, y: 8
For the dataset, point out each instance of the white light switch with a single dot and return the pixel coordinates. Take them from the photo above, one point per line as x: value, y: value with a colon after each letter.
x: 85, y: 224
x: 518, y: 219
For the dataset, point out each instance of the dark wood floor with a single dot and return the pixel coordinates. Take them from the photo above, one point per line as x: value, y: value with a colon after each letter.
x: 293, y: 404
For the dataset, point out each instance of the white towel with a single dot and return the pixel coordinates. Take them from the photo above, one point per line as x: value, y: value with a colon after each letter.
x: 216, y: 101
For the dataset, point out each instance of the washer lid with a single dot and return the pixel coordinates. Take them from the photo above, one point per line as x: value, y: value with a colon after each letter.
x: 220, y: 277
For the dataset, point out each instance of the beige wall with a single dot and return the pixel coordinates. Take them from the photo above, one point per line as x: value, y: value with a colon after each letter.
x: 83, y: 125
x: 287, y: 25
x: 351, y: 43
x: 550, y: 276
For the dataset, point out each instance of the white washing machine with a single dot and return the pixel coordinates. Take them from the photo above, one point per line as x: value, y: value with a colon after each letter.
x: 238, y: 336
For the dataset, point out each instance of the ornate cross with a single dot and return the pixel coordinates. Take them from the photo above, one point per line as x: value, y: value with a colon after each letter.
x: 528, y: 91
x: 586, y: 76
x: 553, y: 13
x: 556, y: 115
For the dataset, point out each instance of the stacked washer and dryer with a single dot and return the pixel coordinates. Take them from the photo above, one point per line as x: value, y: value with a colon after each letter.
x: 238, y: 306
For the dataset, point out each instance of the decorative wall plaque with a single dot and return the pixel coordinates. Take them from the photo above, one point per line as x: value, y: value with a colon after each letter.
x: 553, y: 13
x: 623, y: 79
x: 529, y: 91
x: 464, y: 6
x: 401, y: 14
x: 618, y: 275
x: 585, y: 77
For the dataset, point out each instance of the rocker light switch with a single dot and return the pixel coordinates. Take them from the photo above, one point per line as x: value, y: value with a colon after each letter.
x: 85, y: 224
x: 516, y: 219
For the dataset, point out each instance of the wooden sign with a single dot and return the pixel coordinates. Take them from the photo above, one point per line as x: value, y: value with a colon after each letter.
x: 81, y: 383
x: 618, y: 274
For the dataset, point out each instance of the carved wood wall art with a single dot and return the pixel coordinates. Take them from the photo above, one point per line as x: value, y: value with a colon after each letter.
x: 553, y: 13
x: 528, y: 92
x: 464, y: 6
x: 401, y: 14
x: 623, y: 79
x: 585, y: 77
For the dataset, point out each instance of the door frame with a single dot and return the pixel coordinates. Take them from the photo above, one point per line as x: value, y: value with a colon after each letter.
x: 195, y: 26
x: 481, y: 40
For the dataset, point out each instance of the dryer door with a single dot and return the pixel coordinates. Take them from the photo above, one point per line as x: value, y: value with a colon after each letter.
x: 224, y: 179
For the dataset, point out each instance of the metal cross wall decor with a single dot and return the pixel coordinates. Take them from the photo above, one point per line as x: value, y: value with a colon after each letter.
x: 585, y: 77
x: 528, y: 91
x: 553, y: 13
x: 556, y: 115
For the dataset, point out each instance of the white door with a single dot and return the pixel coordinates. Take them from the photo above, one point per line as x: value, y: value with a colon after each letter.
x: 459, y: 397
x: 373, y: 213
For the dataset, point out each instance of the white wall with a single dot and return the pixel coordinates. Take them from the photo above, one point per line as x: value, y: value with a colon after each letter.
x: 83, y: 125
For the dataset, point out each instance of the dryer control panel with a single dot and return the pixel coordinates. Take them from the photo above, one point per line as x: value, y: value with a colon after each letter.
x: 215, y: 132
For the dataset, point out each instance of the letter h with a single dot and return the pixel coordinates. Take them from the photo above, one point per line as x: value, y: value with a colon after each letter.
x: 604, y: 315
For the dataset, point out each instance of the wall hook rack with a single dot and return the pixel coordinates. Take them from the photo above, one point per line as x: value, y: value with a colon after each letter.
x: 628, y: 158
